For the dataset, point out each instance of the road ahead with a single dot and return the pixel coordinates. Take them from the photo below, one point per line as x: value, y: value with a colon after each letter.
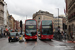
x: 35, y: 45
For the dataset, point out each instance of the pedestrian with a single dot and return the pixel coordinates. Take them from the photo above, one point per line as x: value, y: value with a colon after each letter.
x: 17, y: 34
x: 56, y: 35
x: 4, y: 33
x: 59, y: 34
x: 62, y: 34
x: 8, y: 33
x: 20, y: 33
x: 65, y: 35
x: 71, y: 35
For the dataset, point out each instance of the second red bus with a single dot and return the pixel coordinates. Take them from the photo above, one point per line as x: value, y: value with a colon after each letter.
x: 46, y: 29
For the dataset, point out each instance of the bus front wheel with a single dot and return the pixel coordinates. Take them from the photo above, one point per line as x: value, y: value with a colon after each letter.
x: 35, y: 39
x: 50, y: 39
x: 26, y: 39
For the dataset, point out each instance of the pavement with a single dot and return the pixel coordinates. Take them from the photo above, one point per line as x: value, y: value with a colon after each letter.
x: 66, y: 41
x: 36, y: 45
x: 70, y: 41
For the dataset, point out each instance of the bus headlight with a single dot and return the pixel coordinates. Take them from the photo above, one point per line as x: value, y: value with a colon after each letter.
x: 25, y: 37
x: 52, y: 36
x: 35, y: 37
x: 42, y: 36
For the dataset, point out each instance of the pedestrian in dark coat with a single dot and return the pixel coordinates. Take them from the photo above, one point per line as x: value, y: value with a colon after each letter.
x: 71, y: 35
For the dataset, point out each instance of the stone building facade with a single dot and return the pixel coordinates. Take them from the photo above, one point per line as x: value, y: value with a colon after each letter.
x: 64, y: 21
x: 42, y: 15
x: 56, y: 24
x: 11, y: 22
x: 1, y: 13
x: 70, y: 10
x: 6, y: 14
x: 1, y: 16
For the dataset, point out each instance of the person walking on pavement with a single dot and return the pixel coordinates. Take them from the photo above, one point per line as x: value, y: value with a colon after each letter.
x: 71, y: 35
x: 65, y: 35
x: 59, y: 34
x: 62, y: 35
x: 17, y: 34
x: 4, y: 33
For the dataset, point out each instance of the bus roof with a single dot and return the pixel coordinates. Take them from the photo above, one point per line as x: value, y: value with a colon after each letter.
x: 30, y: 23
x: 30, y: 19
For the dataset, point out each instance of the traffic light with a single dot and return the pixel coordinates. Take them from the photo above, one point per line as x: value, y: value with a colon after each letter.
x: 21, y: 23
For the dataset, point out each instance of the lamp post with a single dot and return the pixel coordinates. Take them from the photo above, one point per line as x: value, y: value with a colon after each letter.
x: 58, y: 17
x: 21, y: 25
x: 26, y: 16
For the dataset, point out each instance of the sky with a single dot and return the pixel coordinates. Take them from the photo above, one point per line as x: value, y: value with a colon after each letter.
x: 19, y: 9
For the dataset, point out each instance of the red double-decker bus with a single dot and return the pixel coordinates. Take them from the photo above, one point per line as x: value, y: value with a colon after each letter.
x: 30, y: 29
x: 46, y: 29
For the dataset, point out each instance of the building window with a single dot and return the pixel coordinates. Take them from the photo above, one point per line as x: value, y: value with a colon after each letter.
x: 71, y: 16
x: 39, y: 17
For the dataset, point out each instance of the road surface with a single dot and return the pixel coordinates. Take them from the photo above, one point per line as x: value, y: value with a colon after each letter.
x: 35, y: 45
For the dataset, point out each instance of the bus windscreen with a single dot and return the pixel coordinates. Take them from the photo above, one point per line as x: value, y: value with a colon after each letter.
x: 47, y: 28
x: 31, y: 32
x: 46, y: 22
x: 47, y: 31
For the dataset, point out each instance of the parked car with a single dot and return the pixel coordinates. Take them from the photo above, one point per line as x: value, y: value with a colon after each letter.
x: 13, y: 36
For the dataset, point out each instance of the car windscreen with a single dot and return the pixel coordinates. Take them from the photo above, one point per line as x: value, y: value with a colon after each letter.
x: 13, y: 34
x: 20, y: 32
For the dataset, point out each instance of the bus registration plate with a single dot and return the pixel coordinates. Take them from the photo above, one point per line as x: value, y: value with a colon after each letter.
x: 47, y: 38
x: 30, y: 38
